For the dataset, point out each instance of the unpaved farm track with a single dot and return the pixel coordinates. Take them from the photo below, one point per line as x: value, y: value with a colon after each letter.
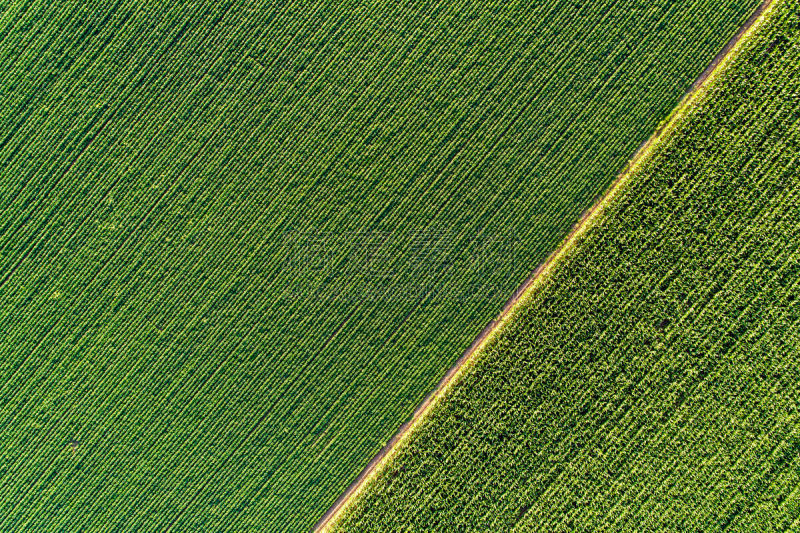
x: 325, y: 520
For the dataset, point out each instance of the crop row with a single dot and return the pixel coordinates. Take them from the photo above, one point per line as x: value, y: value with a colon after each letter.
x: 650, y: 380
x: 155, y: 157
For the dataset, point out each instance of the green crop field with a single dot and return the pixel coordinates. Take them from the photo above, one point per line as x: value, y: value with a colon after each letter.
x: 650, y: 380
x: 240, y: 241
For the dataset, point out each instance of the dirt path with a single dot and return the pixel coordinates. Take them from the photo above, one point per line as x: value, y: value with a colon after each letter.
x: 325, y: 520
x: 728, y: 47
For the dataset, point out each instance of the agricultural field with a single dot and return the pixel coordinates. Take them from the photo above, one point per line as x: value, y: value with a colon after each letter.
x: 239, y: 243
x: 650, y: 378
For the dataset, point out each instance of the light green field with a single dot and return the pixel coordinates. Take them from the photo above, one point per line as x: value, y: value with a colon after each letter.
x: 650, y: 381
x: 240, y: 241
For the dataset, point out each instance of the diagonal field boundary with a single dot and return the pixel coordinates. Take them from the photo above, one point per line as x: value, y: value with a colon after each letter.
x: 328, y: 519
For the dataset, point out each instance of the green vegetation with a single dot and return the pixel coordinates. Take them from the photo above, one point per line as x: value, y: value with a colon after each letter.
x: 239, y: 242
x: 650, y: 381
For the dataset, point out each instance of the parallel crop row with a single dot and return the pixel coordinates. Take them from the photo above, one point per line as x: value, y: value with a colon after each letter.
x: 239, y: 242
x: 650, y: 382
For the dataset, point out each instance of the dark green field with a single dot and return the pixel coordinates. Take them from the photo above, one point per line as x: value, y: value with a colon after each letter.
x: 650, y: 381
x: 239, y: 242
